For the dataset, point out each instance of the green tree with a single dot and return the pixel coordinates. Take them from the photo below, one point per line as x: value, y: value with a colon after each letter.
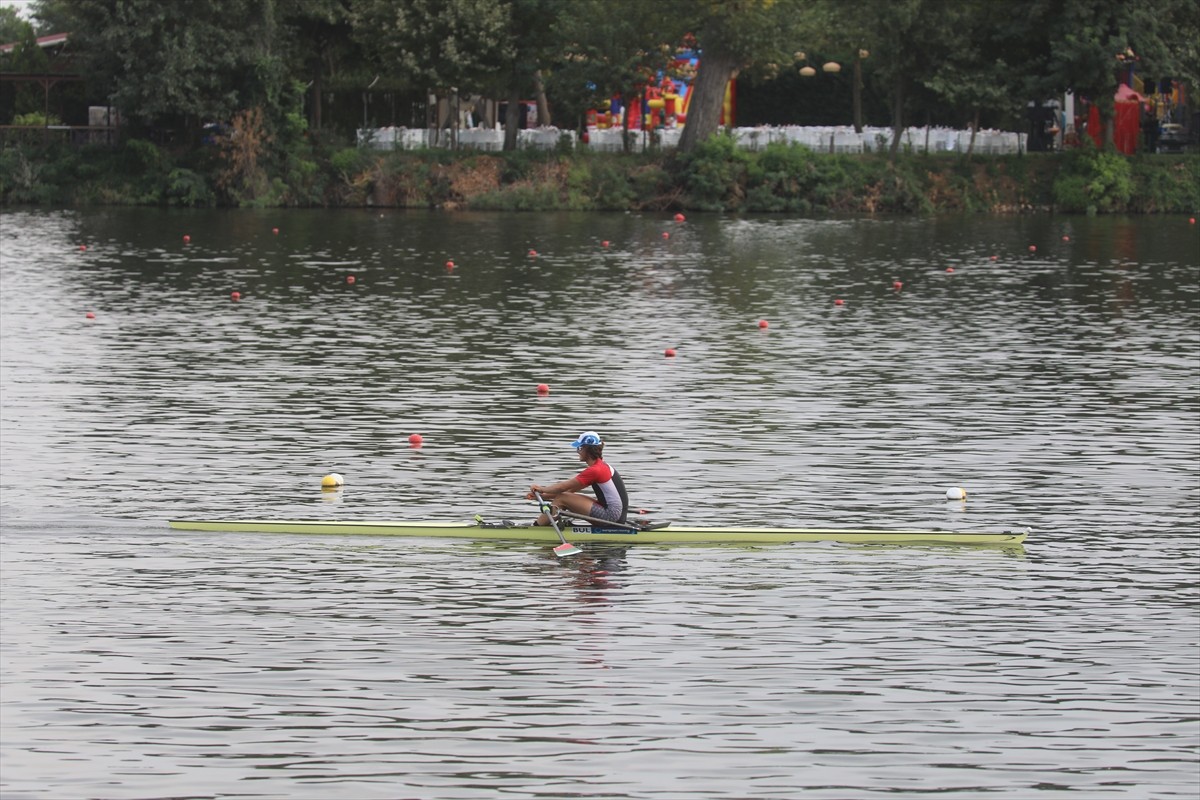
x: 20, y: 97
x: 12, y: 27
x: 608, y: 50
x: 436, y: 43
x: 443, y: 46
x: 972, y: 71
x: 51, y: 16
x: 1088, y: 45
x: 530, y: 48
x: 734, y: 35
x: 319, y: 45
x: 190, y: 62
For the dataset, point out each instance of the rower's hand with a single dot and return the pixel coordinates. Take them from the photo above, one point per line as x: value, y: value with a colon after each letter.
x: 533, y: 488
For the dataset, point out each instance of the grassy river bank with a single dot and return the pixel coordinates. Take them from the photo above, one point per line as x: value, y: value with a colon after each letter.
x: 717, y: 177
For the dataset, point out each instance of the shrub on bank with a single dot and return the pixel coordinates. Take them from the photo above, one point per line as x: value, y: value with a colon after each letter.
x: 717, y: 176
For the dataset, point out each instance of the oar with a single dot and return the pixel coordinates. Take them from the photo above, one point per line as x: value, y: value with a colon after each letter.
x: 607, y: 523
x: 566, y: 548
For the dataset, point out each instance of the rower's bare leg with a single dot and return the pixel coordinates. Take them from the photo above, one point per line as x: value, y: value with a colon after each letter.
x: 570, y: 501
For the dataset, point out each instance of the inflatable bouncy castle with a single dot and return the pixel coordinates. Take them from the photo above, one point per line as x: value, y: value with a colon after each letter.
x: 1126, y: 121
x: 662, y: 101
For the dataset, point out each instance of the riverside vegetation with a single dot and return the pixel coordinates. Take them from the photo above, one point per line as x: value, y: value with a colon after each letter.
x: 716, y: 176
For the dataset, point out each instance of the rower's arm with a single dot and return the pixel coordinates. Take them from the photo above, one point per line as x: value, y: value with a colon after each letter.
x: 555, y: 489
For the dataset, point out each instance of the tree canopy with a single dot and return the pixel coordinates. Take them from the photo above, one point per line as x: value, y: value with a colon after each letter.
x: 209, y: 59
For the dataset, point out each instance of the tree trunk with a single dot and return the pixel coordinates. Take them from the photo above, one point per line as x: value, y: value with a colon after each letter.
x: 511, y: 119
x: 316, y: 106
x: 626, y: 143
x: 1106, y: 109
x: 715, y: 72
x: 543, y: 107
x: 974, y: 130
x: 897, y: 115
x: 856, y: 94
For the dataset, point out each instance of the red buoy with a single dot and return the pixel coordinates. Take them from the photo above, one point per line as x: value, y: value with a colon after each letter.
x: 449, y: 265
x: 679, y: 218
x: 666, y: 235
x: 994, y: 258
x: 1066, y: 238
x: 669, y: 352
x: 533, y: 253
x: 1033, y: 248
x: 235, y: 296
x: 350, y: 279
x: 186, y: 238
x: 1191, y: 220
x: 90, y: 315
x: 275, y: 231
x: 604, y: 243
x: 897, y: 285
x: 762, y: 323
x: 839, y: 302
x: 82, y: 247
x: 949, y: 269
x: 415, y: 440
x: 543, y: 388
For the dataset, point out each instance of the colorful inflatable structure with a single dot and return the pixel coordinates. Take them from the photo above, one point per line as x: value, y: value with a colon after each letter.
x: 1126, y: 121
x: 661, y: 102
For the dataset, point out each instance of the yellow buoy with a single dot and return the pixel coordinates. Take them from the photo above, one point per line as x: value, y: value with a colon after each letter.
x: 331, y: 481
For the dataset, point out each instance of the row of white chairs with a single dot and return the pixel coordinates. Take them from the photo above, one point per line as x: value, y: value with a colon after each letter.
x: 468, y: 138
x: 847, y: 140
x: 820, y: 139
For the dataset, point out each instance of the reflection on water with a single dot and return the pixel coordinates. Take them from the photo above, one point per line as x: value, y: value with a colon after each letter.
x: 1061, y: 388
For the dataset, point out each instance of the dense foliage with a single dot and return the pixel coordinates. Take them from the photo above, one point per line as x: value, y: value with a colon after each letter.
x: 256, y: 101
x: 715, y: 176
x: 185, y: 63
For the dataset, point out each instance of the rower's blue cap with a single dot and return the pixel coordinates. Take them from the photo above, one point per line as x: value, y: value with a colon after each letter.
x: 587, y: 437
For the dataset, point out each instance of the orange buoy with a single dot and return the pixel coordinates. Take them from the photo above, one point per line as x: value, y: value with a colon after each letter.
x: 235, y: 296
x: 543, y: 388
x: 762, y: 323
x: 669, y: 352
x: 415, y: 440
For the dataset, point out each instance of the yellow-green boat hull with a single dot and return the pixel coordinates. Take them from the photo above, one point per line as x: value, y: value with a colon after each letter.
x: 581, y: 534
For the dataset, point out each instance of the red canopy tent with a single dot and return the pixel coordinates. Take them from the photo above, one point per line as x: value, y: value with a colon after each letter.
x: 1126, y: 121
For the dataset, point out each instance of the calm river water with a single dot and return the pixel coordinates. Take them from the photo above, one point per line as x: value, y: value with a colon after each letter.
x: 1060, y: 387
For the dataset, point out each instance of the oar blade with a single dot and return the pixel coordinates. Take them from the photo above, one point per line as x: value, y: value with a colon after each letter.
x: 567, y: 549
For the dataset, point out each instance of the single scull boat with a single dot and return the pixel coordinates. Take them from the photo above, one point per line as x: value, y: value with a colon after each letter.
x: 581, y: 533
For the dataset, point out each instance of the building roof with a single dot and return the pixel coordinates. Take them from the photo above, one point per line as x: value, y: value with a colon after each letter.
x: 42, y: 41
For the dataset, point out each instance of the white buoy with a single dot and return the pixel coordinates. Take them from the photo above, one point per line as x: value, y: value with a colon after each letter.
x: 956, y: 494
x: 332, y: 480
